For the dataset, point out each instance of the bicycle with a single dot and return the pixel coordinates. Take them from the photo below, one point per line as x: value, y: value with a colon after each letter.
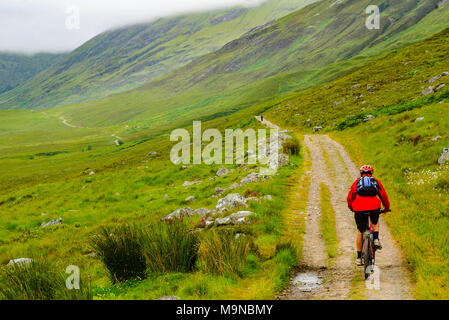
x: 368, y: 249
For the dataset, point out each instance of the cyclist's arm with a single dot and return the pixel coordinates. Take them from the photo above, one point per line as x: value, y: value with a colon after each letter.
x: 384, y: 197
x: 352, y: 195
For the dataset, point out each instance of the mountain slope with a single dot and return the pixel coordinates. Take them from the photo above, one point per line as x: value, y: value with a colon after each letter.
x: 131, y: 56
x: 312, y: 45
x: 16, y: 69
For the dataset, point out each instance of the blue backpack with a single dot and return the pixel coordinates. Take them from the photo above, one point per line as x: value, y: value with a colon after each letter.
x: 367, y: 187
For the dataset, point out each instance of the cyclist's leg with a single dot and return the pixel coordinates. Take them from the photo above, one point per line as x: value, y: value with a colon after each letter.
x: 361, y: 220
x: 374, y: 217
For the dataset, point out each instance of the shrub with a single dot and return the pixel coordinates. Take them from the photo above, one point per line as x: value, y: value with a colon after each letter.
x: 38, y: 280
x: 291, y: 147
x: 120, y: 250
x: 222, y: 254
x: 171, y: 247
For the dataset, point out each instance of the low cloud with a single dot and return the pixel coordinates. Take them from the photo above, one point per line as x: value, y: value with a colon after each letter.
x: 31, y: 26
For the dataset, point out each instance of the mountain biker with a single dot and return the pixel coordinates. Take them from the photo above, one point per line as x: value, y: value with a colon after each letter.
x: 365, y: 199
x: 261, y: 117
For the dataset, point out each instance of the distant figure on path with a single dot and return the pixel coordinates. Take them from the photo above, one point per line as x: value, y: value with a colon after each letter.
x: 261, y: 117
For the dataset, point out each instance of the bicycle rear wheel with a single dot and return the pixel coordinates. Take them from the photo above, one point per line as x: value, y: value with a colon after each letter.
x: 366, y: 253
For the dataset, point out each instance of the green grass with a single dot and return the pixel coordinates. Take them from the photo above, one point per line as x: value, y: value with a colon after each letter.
x: 328, y: 229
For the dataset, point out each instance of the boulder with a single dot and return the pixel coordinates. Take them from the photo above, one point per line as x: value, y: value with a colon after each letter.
x: 428, y: 91
x: 233, y: 186
x: 432, y: 80
x: 440, y: 87
x: 51, y: 223
x: 190, y: 199
x: 317, y: 129
x: 178, y: 214
x: 230, y: 202
x: 222, y: 172
x: 204, y: 212
x: 253, y: 177
x: 241, y: 217
x: 20, y: 262
x: 223, y: 221
x: 369, y: 118
x: 91, y: 173
x: 419, y: 119
x: 437, y: 138
x: 444, y: 158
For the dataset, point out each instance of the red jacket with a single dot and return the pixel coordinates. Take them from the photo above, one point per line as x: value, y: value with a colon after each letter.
x: 357, y: 203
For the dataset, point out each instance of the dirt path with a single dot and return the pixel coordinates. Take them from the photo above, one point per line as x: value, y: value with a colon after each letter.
x: 65, y: 122
x: 320, y: 278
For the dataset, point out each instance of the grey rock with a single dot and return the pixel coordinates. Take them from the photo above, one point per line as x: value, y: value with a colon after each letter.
x: 190, y: 183
x: 444, y: 158
x: 437, y: 138
x: 219, y: 191
x: 369, y: 118
x: 180, y: 213
x: 222, y: 172
x: 432, y: 80
x: 355, y: 86
x: 190, y: 199
x: 51, y: 223
x: 223, y: 221
x: 317, y: 129
x: 233, y: 186
x: 419, y: 119
x: 152, y: 153
x: 268, y: 197
x: 204, y: 212
x: 440, y: 87
x: 253, y: 177
x: 230, y: 202
x: 428, y: 91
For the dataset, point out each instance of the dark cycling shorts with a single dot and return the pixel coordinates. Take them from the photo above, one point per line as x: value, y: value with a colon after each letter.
x: 361, y: 219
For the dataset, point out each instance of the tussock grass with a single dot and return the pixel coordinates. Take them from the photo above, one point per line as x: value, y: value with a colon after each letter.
x: 120, y: 249
x: 171, y: 247
x: 38, y: 280
x: 221, y: 253
x: 291, y: 147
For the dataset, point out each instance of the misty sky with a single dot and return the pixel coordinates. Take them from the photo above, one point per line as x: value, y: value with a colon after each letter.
x: 31, y: 26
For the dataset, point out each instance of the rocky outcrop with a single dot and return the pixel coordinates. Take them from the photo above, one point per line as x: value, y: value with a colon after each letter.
x: 178, y: 214
x: 222, y: 172
x: 230, y: 202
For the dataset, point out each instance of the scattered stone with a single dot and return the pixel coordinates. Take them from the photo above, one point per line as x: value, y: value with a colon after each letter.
x: 317, y: 129
x: 432, y: 80
x: 166, y: 197
x: 419, y: 119
x: 190, y: 199
x: 253, y: 177
x: 219, y: 191
x: 168, y: 298
x: 428, y: 91
x: 91, y: 173
x: 20, y: 261
x: 444, y: 158
x: 440, y: 87
x: 190, y: 183
x: 369, y: 88
x: 369, y: 118
x: 152, y: 153
x: 307, y: 282
x: 337, y: 103
x: 233, y: 186
x: 355, y: 86
x: 92, y: 255
x: 51, y: 223
x: 178, y: 214
x: 437, y: 138
x: 222, y: 172
x: 268, y: 197
x: 230, y: 202
x: 223, y: 221
x: 204, y: 212
x: 241, y: 216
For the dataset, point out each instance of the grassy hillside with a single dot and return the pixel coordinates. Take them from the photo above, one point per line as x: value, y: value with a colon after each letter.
x: 403, y: 142
x: 46, y: 175
x: 125, y: 58
x: 310, y: 46
x: 16, y: 69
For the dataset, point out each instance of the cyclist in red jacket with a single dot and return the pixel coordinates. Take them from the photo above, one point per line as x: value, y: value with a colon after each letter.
x: 366, y: 196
